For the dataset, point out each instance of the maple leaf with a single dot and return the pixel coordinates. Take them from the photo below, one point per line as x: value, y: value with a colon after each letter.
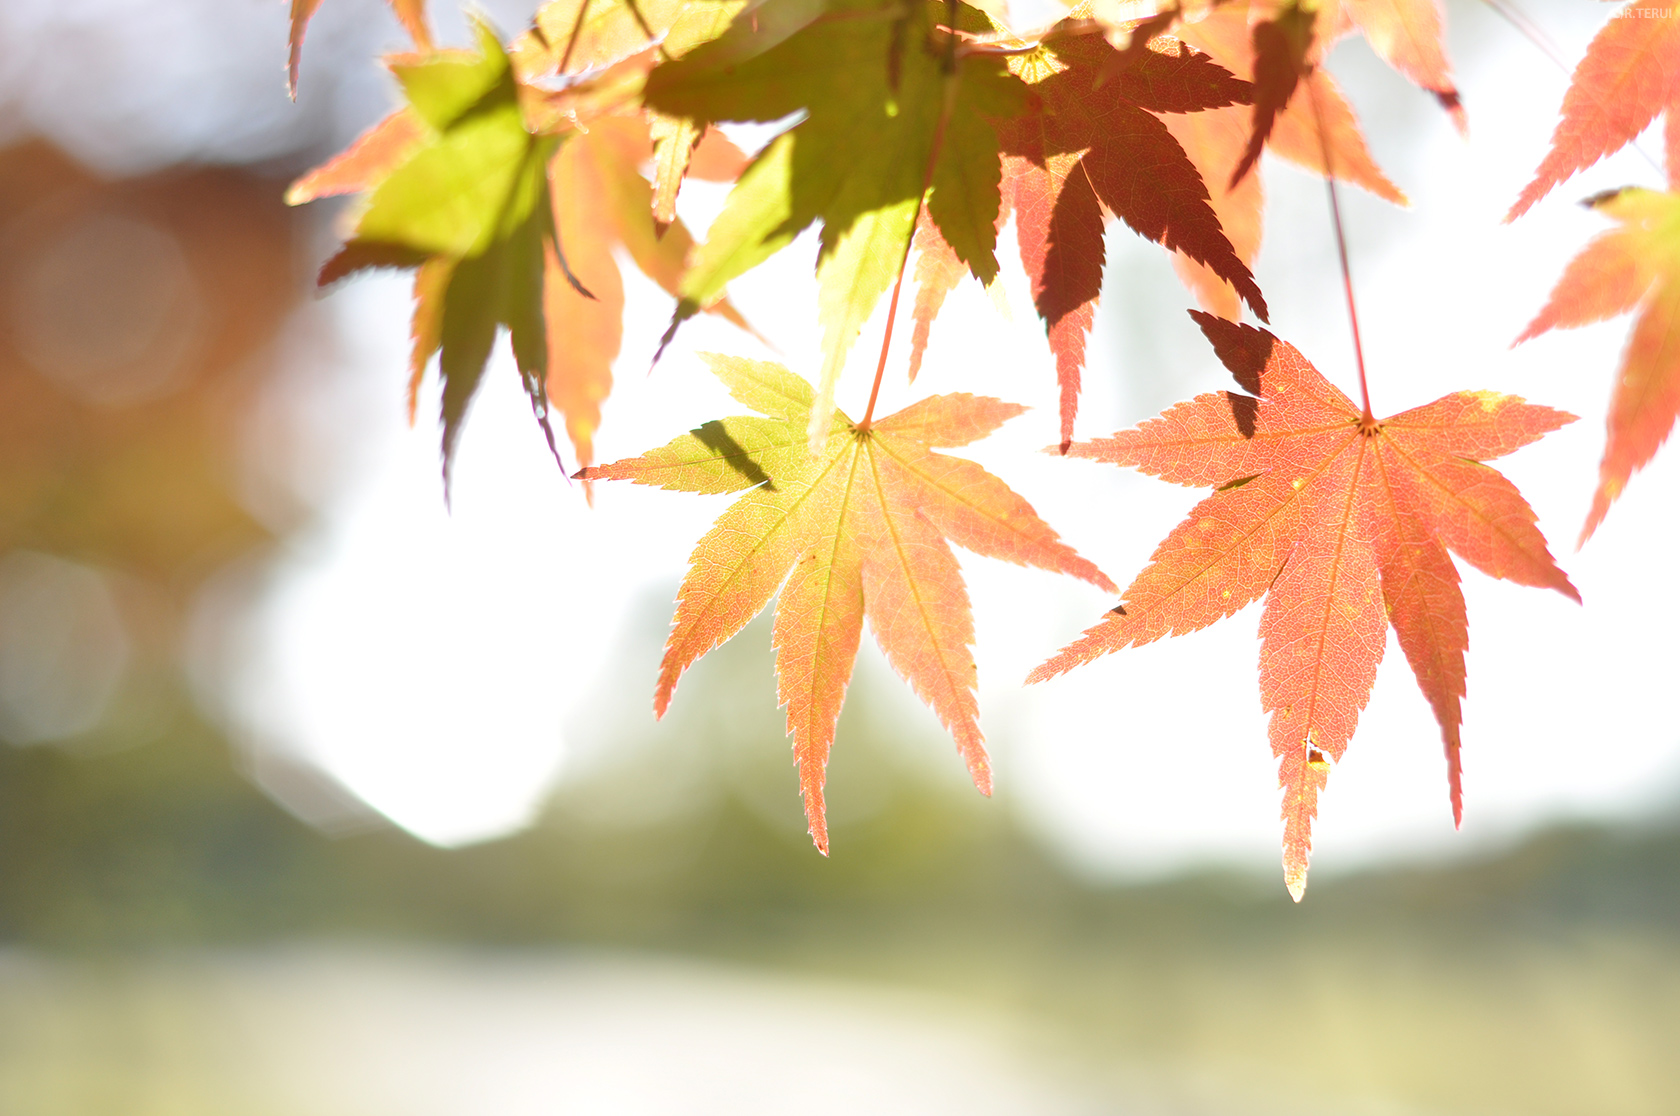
x: 602, y: 201
x: 570, y: 36
x: 1635, y: 265
x: 1214, y: 142
x: 1630, y: 73
x: 860, y: 530
x: 1281, y: 49
x: 1343, y: 524
x: 590, y: 198
x: 1407, y: 34
x: 938, y: 271
x: 1088, y: 146
x: 410, y: 13
x: 890, y: 110
x: 466, y: 202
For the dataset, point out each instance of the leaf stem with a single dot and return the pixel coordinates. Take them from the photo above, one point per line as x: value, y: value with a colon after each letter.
x: 892, y: 313
x: 921, y: 203
x: 1367, y: 420
x: 1530, y: 30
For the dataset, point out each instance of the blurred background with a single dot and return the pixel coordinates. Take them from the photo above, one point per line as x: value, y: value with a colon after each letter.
x: 318, y: 799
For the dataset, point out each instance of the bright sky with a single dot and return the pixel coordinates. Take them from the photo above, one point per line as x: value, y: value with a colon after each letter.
x: 432, y: 662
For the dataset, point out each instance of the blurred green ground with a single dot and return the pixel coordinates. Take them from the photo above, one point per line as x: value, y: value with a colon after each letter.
x: 1545, y: 981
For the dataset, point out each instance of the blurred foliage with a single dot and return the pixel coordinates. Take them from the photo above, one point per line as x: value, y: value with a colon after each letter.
x: 136, y: 321
x: 1544, y: 980
x: 131, y: 311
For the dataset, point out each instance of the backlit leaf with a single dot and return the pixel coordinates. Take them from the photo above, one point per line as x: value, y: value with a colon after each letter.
x: 1630, y: 73
x: 888, y: 109
x: 410, y: 13
x: 1344, y: 528
x: 1088, y: 147
x: 860, y: 530
x: 1636, y: 265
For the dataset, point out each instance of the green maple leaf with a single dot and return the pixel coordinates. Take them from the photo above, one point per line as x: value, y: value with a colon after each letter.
x: 469, y: 206
x: 890, y: 109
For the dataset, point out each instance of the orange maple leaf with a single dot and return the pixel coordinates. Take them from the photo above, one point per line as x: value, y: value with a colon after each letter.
x: 1343, y: 524
x: 1636, y: 264
x: 938, y: 271
x: 859, y: 530
x: 601, y: 200
x: 1407, y: 34
x: 1630, y: 73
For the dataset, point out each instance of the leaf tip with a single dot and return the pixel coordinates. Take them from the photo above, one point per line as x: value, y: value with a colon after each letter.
x: 1453, y: 103
x: 686, y: 309
x: 663, y: 691
x: 1607, y: 492
x: 1455, y: 779
x: 819, y: 821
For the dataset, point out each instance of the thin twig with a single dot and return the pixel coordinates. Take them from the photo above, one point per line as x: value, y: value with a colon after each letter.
x: 921, y: 200
x: 1530, y: 30
x: 1368, y: 421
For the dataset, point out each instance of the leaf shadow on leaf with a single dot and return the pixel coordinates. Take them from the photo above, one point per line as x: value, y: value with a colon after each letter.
x: 1244, y: 410
x: 1244, y: 350
x: 715, y: 437
x: 1069, y: 257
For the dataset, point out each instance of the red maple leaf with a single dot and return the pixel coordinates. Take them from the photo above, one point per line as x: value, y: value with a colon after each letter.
x: 1343, y: 524
x: 1090, y: 147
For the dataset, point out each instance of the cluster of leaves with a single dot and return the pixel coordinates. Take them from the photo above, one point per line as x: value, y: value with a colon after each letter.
x: 1630, y: 74
x: 511, y: 175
